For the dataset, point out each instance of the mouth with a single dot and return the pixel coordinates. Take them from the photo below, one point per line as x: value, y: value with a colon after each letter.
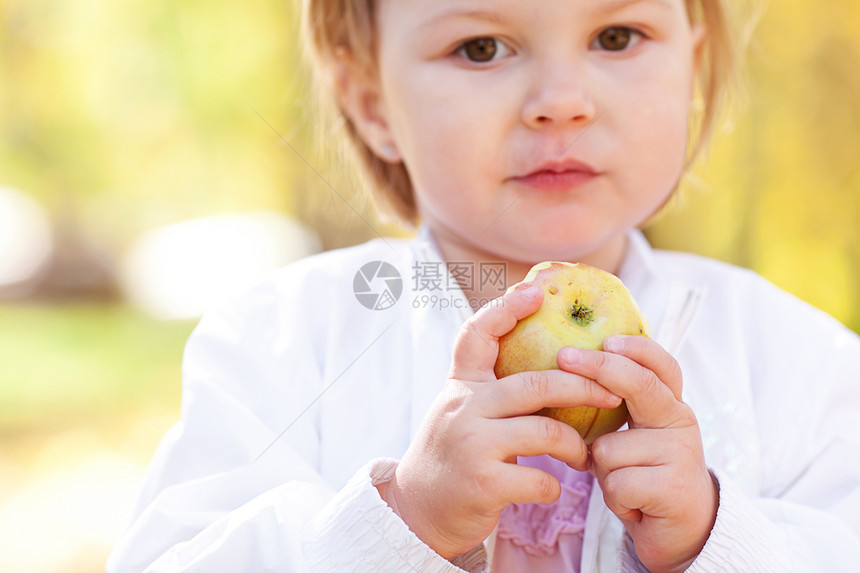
x: 556, y: 176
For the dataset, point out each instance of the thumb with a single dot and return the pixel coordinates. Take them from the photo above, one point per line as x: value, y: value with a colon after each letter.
x: 477, y: 345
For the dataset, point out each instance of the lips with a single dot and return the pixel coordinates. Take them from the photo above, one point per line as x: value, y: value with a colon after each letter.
x: 563, y: 175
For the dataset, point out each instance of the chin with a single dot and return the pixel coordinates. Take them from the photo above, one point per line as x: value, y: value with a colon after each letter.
x: 556, y: 244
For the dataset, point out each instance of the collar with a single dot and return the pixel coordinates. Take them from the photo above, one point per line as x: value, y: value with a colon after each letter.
x: 669, y: 303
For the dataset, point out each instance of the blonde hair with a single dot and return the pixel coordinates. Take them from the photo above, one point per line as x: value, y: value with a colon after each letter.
x: 337, y: 29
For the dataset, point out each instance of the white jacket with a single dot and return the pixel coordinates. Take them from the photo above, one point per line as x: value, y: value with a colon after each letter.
x: 297, y: 399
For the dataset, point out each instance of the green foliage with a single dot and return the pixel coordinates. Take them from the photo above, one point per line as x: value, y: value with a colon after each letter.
x: 74, y: 364
x: 145, y: 112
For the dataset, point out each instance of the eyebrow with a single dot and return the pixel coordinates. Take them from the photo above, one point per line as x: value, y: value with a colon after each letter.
x: 616, y: 5
x: 497, y: 18
x: 474, y: 14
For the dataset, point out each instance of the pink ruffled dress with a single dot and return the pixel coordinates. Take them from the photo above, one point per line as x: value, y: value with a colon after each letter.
x: 545, y: 538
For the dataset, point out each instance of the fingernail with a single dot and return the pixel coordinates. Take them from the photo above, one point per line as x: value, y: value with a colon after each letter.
x: 571, y: 355
x: 532, y: 292
x: 613, y: 344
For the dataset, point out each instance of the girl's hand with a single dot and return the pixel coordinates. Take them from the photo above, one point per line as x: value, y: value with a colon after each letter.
x: 653, y: 476
x: 460, y: 470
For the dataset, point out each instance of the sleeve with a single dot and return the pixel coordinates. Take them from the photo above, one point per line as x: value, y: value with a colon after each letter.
x: 384, y: 542
x: 753, y: 535
x: 234, y: 485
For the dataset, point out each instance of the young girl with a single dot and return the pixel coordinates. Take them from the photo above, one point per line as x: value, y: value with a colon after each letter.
x: 325, y: 428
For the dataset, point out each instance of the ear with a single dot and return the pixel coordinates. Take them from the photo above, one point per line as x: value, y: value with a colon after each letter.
x: 360, y: 98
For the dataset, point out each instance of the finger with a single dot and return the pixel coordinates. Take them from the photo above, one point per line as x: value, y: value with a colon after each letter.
x: 639, y: 447
x: 658, y: 451
x: 477, y: 345
x: 648, y: 353
x: 539, y: 435
x: 527, y: 392
x: 523, y: 484
x: 649, y: 401
x: 629, y: 491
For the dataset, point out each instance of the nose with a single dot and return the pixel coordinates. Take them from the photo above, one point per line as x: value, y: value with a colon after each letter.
x: 558, y: 95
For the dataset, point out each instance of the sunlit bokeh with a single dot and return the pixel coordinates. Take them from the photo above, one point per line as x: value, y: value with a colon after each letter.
x: 179, y: 271
x: 26, y: 242
x: 128, y: 126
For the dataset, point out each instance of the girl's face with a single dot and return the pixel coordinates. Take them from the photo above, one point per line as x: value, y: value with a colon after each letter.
x: 538, y: 130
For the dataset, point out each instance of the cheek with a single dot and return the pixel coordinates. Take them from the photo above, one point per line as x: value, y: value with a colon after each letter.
x: 663, y: 133
x: 444, y: 131
x: 660, y: 122
x: 655, y: 131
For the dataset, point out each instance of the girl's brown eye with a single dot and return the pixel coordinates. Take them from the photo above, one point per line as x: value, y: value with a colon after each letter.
x: 480, y: 50
x: 614, y: 39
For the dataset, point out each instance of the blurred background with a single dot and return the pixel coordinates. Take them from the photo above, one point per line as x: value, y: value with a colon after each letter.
x: 157, y: 155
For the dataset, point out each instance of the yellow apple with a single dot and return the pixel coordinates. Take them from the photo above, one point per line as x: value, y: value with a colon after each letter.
x: 582, y: 306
